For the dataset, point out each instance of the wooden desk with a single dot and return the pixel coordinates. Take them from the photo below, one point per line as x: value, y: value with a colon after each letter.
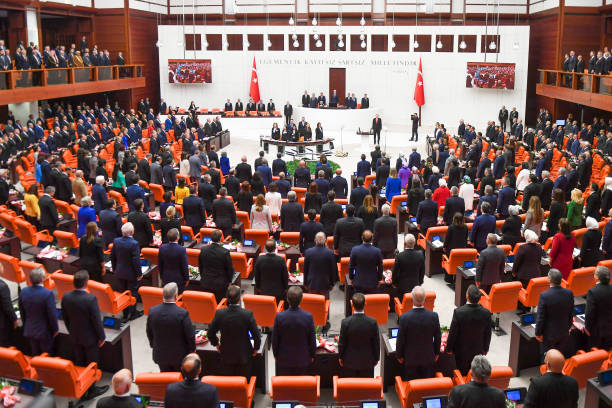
x: 433, y: 259
x: 293, y: 254
x: 195, y: 284
x: 524, y: 348
x: 70, y: 264
x: 326, y: 365
x: 44, y: 399
x: 597, y: 396
x: 68, y: 224
x: 463, y: 279
x: 11, y: 246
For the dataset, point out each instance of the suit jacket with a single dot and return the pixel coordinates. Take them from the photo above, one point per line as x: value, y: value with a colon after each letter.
x: 224, y: 215
x: 169, y: 177
x: 532, y: 189
x: 191, y: 394
x: 38, y: 312
x: 408, y: 270
x: 172, y: 262
x: 170, y: 333
x: 359, y: 342
x: 357, y: 196
x: 291, y: 216
x: 382, y: 173
x: 133, y: 192
x: 81, y: 314
x: 216, y: 267
x: 555, y: 313
x: 453, y: 204
x: 208, y: 193
x: 293, y: 338
x: 598, y: 319
x: 483, y: 225
x: 377, y: 124
x: 271, y: 275
x: 427, y: 214
x: 470, y: 333
x: 143, y: 233
x: 48, y: 212
x: 476, y: 395
x: 330, y: 213
x: 98, y: 193
x: 347, y: 234
x: 418, y: 340
x: 365, y: 266
x: 552, y: 390
x: 385, y: 233
x: 110, y: 224
x: 235, y: 323
x: 491, y: 264
x: 193, y: 212
x: 157, y: 176
x: 308, y: 230
x: 527, y: 261
x: 118, y: 402
x: 320, y: 268
x: 301, y: 177
x: 125, y: 258
x: 243, y: 172
x: 7, y: 313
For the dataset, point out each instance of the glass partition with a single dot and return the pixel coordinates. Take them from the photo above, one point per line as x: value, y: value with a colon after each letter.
x: 57, y: 77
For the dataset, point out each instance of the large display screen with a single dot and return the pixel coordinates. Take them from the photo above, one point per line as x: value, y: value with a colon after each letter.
x: 490, y: 75
x: 189, y: 72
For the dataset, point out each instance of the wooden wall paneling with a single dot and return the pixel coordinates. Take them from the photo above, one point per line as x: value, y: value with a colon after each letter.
x: 142, y: 40
x: 278, y: 42
x: 485, y: 41
x: 215, y: 42
x: 447, y: 43
x: 256, y: 42
x: 16, y: 28
x: 333, y: 43
x: 356, y: 43
x: 424, y: 41
x: 110, y: 32
x: 234, y: 42
x: 470, y: 43
x: 402, y: 42
x: 379, y: 42
x: 300, y: 39
x: 581, y: 33
x: 312, y: 43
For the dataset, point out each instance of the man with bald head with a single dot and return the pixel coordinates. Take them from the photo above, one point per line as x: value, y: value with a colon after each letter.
x: 418, y: 340
x: 365, y: 266
x: 553, y: 389
x: 301, y: 176
x: 320, y: 268
x: 409, y: 267
x: 121, y: 398
x: 191, y: 392
x: 243, y: 170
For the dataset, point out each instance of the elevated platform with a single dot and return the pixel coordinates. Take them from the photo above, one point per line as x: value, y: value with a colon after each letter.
x: 585, y: 89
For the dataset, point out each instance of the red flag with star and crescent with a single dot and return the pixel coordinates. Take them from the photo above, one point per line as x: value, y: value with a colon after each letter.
x: 419, y: 91
x: 254, y: 90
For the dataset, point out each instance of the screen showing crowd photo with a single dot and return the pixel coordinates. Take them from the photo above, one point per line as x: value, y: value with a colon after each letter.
x: 189, y: 71
x: 490, y: 75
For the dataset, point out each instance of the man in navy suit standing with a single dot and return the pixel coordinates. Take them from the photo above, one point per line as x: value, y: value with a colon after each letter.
x: 499, y: 165
x: 110, y: 222
x: 293, y: 337
x: 505, y: 198
x: 194, y: 210
x: 320, y: 268
x: 125, y: 260
x: 172, y: 262
x: 427, y: 212
x: 38, y: 314
x: 555, y: 314
x: 418, y: 340
x: 365, y: 266
x: 363, y: 167
x: 98, y: 193
x: 191, y: 392
x: 483, y: 225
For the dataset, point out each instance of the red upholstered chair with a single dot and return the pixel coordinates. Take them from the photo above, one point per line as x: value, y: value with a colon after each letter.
x: 583, y: 365
x: 110, y: 301
x: 300, y: 192
x: 318, y: 306
x: 302, y: 388
x: 242, y: 264
x: 235, y: 389
x: 11, y: 269
x: 529, y: 297
x: 290, y: 238
x: 14, y: 364
x: 152, y: 296
x: 264, y: 308
x: 369, y: 179
x: 158, y: 192
x: 63, y: 282
x: 377, y: 306
x: 406, y: 303
x: 258, y: 236
x: 350, y: 391
x: 580, y: 280
x: 66, y: 379
x: 397, y: 201
x: 431, y: 232
x: 457, y: 258
x: 343, y: 269
x: 500, y: 377
x: 66, y: 239
x: 28, y: 266
x: 243, y: 217
x: 29, y: 234
x: 411, y: 392
x: 503, y: 297
x: 201, y: 305
x: 155, y: 384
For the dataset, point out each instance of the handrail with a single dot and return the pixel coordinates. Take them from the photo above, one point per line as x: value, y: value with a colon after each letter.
x: 59, y: 69
x: 580, y: 81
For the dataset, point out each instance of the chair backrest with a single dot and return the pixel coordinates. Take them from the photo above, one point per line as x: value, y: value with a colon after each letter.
x: 63, y: 283
x: 231, y: 388
x: 13, y: 364
x: 504, y: 296
x: 302, y: 388
x: 12, y: 270
x: 155, y: 384
x: 263, y: 308
x: 188, y: 231
x: 240, y: 263
x: 200, y: 305
x: 66, y: 239
x: 28, y: 266
x: 583, y: 366
x: 581, y: 280
x: 59, y: 374
x: 8, y: 222
x: 396, y: 201
x: 300, y: 192
x: 500, y: 376
x: 343, y: 268
x: 207, y: 232
x: 243, y: 217
x: 353, y: 390
x: 26, y: 232
x: 433, y: 231
x: 193, y: 257
x: 290, y: 238
x: 158, y: 192
x: 150, y: 254
x: 259, y: 236
x: 607, y: 263
x: 388, y: 264
x: 316, y: 305
x: 377, y: 306
x: 430, y: 300
x: 64, y: 208
x: 416, y: 390
x: 151, y: 296
x: 578, y: 233
x: 535, y: 287
x: 458, y: 256
x: 105, y: 295
x: 368, y: 180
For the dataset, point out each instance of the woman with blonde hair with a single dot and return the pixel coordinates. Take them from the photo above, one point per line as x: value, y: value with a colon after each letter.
x: 260, y: 214
x: 535, y: 216
x: 574, y: 209
x: 368, y: 212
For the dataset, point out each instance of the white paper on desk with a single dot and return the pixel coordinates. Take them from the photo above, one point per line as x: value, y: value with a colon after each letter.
x: 437, y: 244
x: 393, y: 343
x: 144, y: 269
x: 576, y: 252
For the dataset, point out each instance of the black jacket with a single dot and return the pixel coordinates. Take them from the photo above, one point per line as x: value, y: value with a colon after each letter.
x: 546, y: 193
x: 418, y: 341
x: 456, y: 238
x: 48, y: 212
x: 191, y: 394
x: 590, y: 254
x: 271, y: 276
x: 526, y: 264
x: 170, y: 333
x: 320, y: 268
x: 118, y: 402
x: 291, y: 216
x: 552, y: 390
x: 385, y: 234
x: 224, y: 215
x: 244, y: 172
x: 81, y: 314
x: 359, y: 342
x: 330, y: 213
x: 598, y: 317
x: 110, y: 224
x: 555, y: 313
x: 347, y: 234
x: 208, y: 193
x: 142, y: 228
x: 193, y: 212
x: 234, y: 323
x: 476, y: 395
x: 408, y: 270
x: 308, y: 230
x: 216, y: 267
x: 453, y: 204
x: 470, y: 334
x: 511, y: 230
x: 293, y: 338
x: 357, y: 196
x: 532, y: 189
x: 593, y: 206
x: 491, y: 264
x: 7, y: 313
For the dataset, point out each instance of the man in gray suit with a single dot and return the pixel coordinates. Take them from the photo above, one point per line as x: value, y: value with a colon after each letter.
x: 491, y: 264
x: 195, y: 166
x: 156, y: 172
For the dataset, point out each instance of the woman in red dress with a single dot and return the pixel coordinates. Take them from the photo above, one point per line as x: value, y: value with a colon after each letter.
x: 563, y: 244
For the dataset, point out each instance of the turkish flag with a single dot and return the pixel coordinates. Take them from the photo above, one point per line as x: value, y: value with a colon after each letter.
x: 254, y: 90
x: 419, y: 90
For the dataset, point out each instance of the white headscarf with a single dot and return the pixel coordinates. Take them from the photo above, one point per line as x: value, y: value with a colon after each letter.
x: 591, y: 223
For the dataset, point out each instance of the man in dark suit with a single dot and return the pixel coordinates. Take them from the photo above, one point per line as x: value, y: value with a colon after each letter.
x: 418, y: 340
x: 110, y: 222
x: 191, y: 392
x: 358, y: 194
x: 301, y: 176
x: 505, y: 198
x: 125, y: 260
x: 224, y: 213
x: 503, y: 117
x: 172, y: 262
x: 454, y: 204
x: 48, y: 211
x: 409, y: 267
x: 308, y: 230
x: 555, y: 314
x: 194, y: 210
x: 376, y: 128
x: 291, y: 214
x: 216, y: 269
x: 243, y: 170
x: 143, y: 232
x: 491, y: 264
x: 339, y: 185
x: 278, y: 165
x: 359, y: 342
x: 320, y: 268
x: 347, y: 232
x: 38, y: 313
x: 477, y: 393
x: 470, y: 331
x: 208, y: 193
x: 483, y: 225
x: 121, y: 398
x: 382, y: 172
x: 134, y: 192
x: 170, y: 332
x: 385, y: 233
x: 288, y: 111
x: 546, y: 189
x: 532, y: 189
x: 169, y: 177
x: 98, y: 194
x: 271, y: 274
x: 427, y: 212
x: 365, y: 266
x: 293, y: 337
x: 81, y: 314
x: 305, y: 100
x: 365, y: 102
x: 8, y: 318
x: 364, y: 168
x: 553, y: 389
x: 330, y: 213
x: 235, y: 325
x: 598, y: 321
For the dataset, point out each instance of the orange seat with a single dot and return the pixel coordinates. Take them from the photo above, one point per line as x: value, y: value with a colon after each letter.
x: 431, y: 232
x: 304, y: 389
x: 503, y: 297
x: 207, y: 232
x: 580, y: 280
x: 258, y: 236
x: 151, y: 296
x: 201, y: 305
x: 63, y: 283
x: 158, y: 192
x: 583, y: 366
x: 155, y: 384
x: 529, y: 297
x: 397, y: 201
x: 110, y: 301
x: 11, y: 269
x: 28, y: 266
x: 300, y: 192
x: 28, y: 233
x: 242, y: 264
x: 8, y: 222
x: 406, y: 303
x: 66, y: 239
x: 290, y: 238
x: 264, y: 308
x: 369, y: 179
x: 243, y: 217
x: 66, y: 379
x: 350, y: 391
x: 457, y: 258
x: 377, y: 306
x: 187, y: 231
x: 500, y: 377
x: 193, y: 257
x: 120, y: 200
x: 578, y: 234
x: 150, y: 254
x: 413, y: 391
x: 14, y: 364
x: 64, y: 208
x: 318, y: 306
x: 343, y: 269
x: 607, y: 263
x: 235, y: 389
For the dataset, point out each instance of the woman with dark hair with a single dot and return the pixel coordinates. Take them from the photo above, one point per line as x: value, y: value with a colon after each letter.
x: 319, y: 131
x: 181, y: 191
x: 457, y: 234
x: 558, y: 210
x: 307, y: 132
x: 368, y: 212
x: 313, y: 200
x: 275, y: 134
x: 91, y: 250
x: 257, y: 185
x: 118, y: 180
x: 245, y: 197
x: 416, y: 194
x: 101, y: 168
x: 593, y: 203
x: 563, y: 244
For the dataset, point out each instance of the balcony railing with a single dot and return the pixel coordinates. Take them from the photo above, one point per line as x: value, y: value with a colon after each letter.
x: 580, y: 81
